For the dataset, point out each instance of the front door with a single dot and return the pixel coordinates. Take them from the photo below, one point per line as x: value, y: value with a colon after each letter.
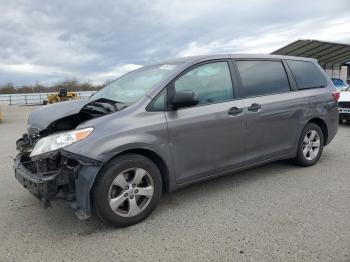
x: 207, y: 138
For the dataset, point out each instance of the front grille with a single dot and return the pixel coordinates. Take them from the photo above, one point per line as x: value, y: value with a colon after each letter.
x: 344, y: 104
x: 40, y: 168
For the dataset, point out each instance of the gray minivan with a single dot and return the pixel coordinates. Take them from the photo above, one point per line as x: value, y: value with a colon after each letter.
x: 164, y: 126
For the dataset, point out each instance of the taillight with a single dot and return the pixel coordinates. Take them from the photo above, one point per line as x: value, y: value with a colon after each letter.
x: 336, y: 95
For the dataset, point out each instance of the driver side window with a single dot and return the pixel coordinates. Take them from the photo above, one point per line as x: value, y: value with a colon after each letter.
x: 210, y: 82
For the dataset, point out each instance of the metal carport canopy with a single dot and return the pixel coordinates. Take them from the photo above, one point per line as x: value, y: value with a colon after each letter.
x: 329, y: 55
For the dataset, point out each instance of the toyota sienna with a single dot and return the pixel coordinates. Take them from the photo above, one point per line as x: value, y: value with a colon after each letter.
x: 165, y: 126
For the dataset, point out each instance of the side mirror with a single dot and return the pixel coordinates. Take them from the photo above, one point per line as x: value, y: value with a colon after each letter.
x: 184, y: 98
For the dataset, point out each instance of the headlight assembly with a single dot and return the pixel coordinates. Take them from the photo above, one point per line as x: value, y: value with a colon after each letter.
x: 59, y: 140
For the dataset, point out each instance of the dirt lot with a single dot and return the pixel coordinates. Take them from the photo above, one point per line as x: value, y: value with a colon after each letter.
x: 277, y: 212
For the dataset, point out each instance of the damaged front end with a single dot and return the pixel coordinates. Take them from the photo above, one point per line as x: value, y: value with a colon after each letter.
x: 55, y: 173
x: 59, y: 175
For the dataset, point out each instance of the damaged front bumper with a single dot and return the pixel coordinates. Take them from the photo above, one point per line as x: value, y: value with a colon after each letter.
x: 60, y: 174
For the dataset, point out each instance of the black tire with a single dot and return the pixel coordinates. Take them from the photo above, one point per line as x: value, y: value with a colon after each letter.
x: 101, y: 190
x: 340, y: 120
x: 301, y: 159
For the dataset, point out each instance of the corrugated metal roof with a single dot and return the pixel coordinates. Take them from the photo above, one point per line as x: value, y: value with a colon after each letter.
x: 329, y: 55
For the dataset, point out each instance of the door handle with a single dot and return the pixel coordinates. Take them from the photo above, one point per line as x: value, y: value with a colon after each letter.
x: 254, y: 107
x: 235, y: 111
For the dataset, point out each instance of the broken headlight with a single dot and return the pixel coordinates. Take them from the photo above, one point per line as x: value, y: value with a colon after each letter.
x: 59, y: 140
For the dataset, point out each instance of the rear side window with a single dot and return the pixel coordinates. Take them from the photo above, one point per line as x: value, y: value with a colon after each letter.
x: 262, y: 77
x: 307, y: 74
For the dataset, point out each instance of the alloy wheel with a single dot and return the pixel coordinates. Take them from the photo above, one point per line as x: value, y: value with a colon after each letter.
x: 311, y: 145
x: 131, y: 192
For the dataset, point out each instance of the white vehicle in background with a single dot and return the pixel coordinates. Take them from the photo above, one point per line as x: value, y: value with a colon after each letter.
x: 344, y: 105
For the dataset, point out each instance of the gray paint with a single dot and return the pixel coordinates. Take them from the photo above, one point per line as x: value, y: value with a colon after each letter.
x: 44, y: 116
x: 205, y: 139
x: 305, y: 209
x: 201, y: 142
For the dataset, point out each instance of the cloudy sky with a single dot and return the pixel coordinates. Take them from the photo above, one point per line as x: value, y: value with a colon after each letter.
x: 92, y: 40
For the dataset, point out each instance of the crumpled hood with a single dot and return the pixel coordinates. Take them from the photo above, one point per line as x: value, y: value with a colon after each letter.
x: 41, y: 118
x: 344, y: 96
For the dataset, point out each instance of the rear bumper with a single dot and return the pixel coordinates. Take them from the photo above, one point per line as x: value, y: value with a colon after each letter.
x: 73, y: 184
x: 332, y: 122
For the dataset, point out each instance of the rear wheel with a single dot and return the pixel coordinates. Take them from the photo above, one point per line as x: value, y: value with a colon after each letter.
x: 127, y: 190
x: 310, y: 145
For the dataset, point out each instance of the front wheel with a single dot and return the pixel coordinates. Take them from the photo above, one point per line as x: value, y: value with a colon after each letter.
x: 127, y: 190
x: 310, y: 145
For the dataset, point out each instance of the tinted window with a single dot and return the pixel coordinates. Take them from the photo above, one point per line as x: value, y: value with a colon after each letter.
x: 307, y: 74
x: 211, y: 83
x: 262, y: 77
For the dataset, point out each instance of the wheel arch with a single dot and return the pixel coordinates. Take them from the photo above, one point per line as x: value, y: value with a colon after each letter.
x: 154, y: 157
x: 322, y: 124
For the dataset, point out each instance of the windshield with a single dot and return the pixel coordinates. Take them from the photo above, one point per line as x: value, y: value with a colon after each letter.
x: 132, y: 86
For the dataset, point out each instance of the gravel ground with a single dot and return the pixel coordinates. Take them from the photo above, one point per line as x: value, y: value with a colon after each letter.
x: 276, y: 212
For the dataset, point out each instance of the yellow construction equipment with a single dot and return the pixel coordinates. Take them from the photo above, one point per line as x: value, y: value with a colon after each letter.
x: 62, y: 95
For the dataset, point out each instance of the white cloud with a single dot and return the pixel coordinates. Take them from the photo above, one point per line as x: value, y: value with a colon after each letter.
x: 270, y: 40
x: 94, y: 41
x: 31, y: 69
x: 99, y: 78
